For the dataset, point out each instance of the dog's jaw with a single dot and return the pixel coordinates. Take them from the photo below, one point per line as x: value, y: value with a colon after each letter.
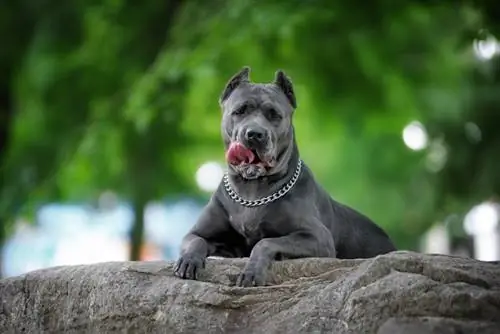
x: 251, y: 171
x: 249, y: 163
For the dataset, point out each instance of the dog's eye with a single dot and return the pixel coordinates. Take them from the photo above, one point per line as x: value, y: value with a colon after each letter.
x: 240, y: 110
x: 273, y: 114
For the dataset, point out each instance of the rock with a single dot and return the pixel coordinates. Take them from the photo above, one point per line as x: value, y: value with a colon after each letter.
x: 419, y: 325
x: 401, y: 292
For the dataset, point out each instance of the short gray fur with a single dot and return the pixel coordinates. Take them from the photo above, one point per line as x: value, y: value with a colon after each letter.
x: 305, y: 222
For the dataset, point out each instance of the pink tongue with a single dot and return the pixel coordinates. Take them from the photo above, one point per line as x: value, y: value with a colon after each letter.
x: 237, y: 153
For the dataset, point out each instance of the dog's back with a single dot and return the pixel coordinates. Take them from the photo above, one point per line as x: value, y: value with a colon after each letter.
x: 356, y: 236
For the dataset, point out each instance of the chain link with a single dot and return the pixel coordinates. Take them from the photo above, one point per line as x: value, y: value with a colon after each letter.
x: 264, y: 200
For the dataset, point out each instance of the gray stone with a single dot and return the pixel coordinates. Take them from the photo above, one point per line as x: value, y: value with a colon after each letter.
x: 401, y: 292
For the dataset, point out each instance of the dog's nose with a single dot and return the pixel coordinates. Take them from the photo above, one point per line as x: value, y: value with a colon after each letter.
x: 254, y: 135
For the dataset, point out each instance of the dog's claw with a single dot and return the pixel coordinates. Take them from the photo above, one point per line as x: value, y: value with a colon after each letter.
x: 187, y: 266
x: 251, y: 277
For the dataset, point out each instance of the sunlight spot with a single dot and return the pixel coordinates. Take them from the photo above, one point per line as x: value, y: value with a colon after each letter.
x: 473, y: 132
x: 415, y: 136
x: 487, y: 48
x: 436, y: 156
x: 209, y: 175
x: 481, y: 222
x: 481, y: 219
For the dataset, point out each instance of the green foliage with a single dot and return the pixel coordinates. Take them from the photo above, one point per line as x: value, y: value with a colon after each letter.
x: 111, y: 95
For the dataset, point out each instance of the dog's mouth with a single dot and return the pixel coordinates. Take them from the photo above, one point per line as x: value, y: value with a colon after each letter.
x: 238, y: 154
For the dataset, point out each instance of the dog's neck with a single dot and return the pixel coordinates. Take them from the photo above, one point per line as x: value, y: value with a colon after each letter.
x: 266, y: 185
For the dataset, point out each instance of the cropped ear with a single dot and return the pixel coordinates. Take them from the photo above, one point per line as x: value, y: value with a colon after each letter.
x: 242, y: 76
x: 285, y: 84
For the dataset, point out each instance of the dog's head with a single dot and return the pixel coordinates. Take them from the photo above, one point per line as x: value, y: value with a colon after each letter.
x: 257, y: 124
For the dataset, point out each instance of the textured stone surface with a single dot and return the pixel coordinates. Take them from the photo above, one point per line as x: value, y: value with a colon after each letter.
x: 400, y: 292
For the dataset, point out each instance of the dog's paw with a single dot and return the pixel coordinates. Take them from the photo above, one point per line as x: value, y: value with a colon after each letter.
x: 188, y: 266
x: 252, y: 275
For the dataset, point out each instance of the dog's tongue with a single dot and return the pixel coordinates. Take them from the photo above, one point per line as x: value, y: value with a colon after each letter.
x: 238, y: 153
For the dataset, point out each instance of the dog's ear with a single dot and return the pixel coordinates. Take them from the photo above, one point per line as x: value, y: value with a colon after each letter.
x: 242, y: 76
x: 285, y: 84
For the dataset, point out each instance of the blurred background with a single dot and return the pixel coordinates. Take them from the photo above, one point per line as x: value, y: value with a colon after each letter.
x: 109, y: 120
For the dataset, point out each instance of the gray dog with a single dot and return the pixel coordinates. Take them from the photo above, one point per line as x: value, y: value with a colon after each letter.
x: 269, y: 206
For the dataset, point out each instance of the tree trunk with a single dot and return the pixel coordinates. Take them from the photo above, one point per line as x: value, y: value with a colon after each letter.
x: 137, y: 231
x: 5, y: 119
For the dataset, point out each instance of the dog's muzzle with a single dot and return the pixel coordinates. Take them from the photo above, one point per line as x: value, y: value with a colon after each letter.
x: 255, y: 138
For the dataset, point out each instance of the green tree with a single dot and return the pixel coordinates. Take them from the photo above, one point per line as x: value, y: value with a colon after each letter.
x: 110, y: 95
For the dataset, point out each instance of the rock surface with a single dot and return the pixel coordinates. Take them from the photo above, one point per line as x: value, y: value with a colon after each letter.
x: 401, y: 292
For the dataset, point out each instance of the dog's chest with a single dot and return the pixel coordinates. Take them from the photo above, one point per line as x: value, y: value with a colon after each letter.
x: 252, y: 223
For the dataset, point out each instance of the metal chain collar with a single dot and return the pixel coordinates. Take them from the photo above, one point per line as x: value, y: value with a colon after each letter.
x: 264, y: 200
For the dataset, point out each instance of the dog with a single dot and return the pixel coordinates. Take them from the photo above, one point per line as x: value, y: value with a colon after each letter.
x: 268, y: 205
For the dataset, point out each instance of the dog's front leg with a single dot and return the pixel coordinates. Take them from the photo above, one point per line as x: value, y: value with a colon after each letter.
x: 295, y: 245
x: 201, y: 240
